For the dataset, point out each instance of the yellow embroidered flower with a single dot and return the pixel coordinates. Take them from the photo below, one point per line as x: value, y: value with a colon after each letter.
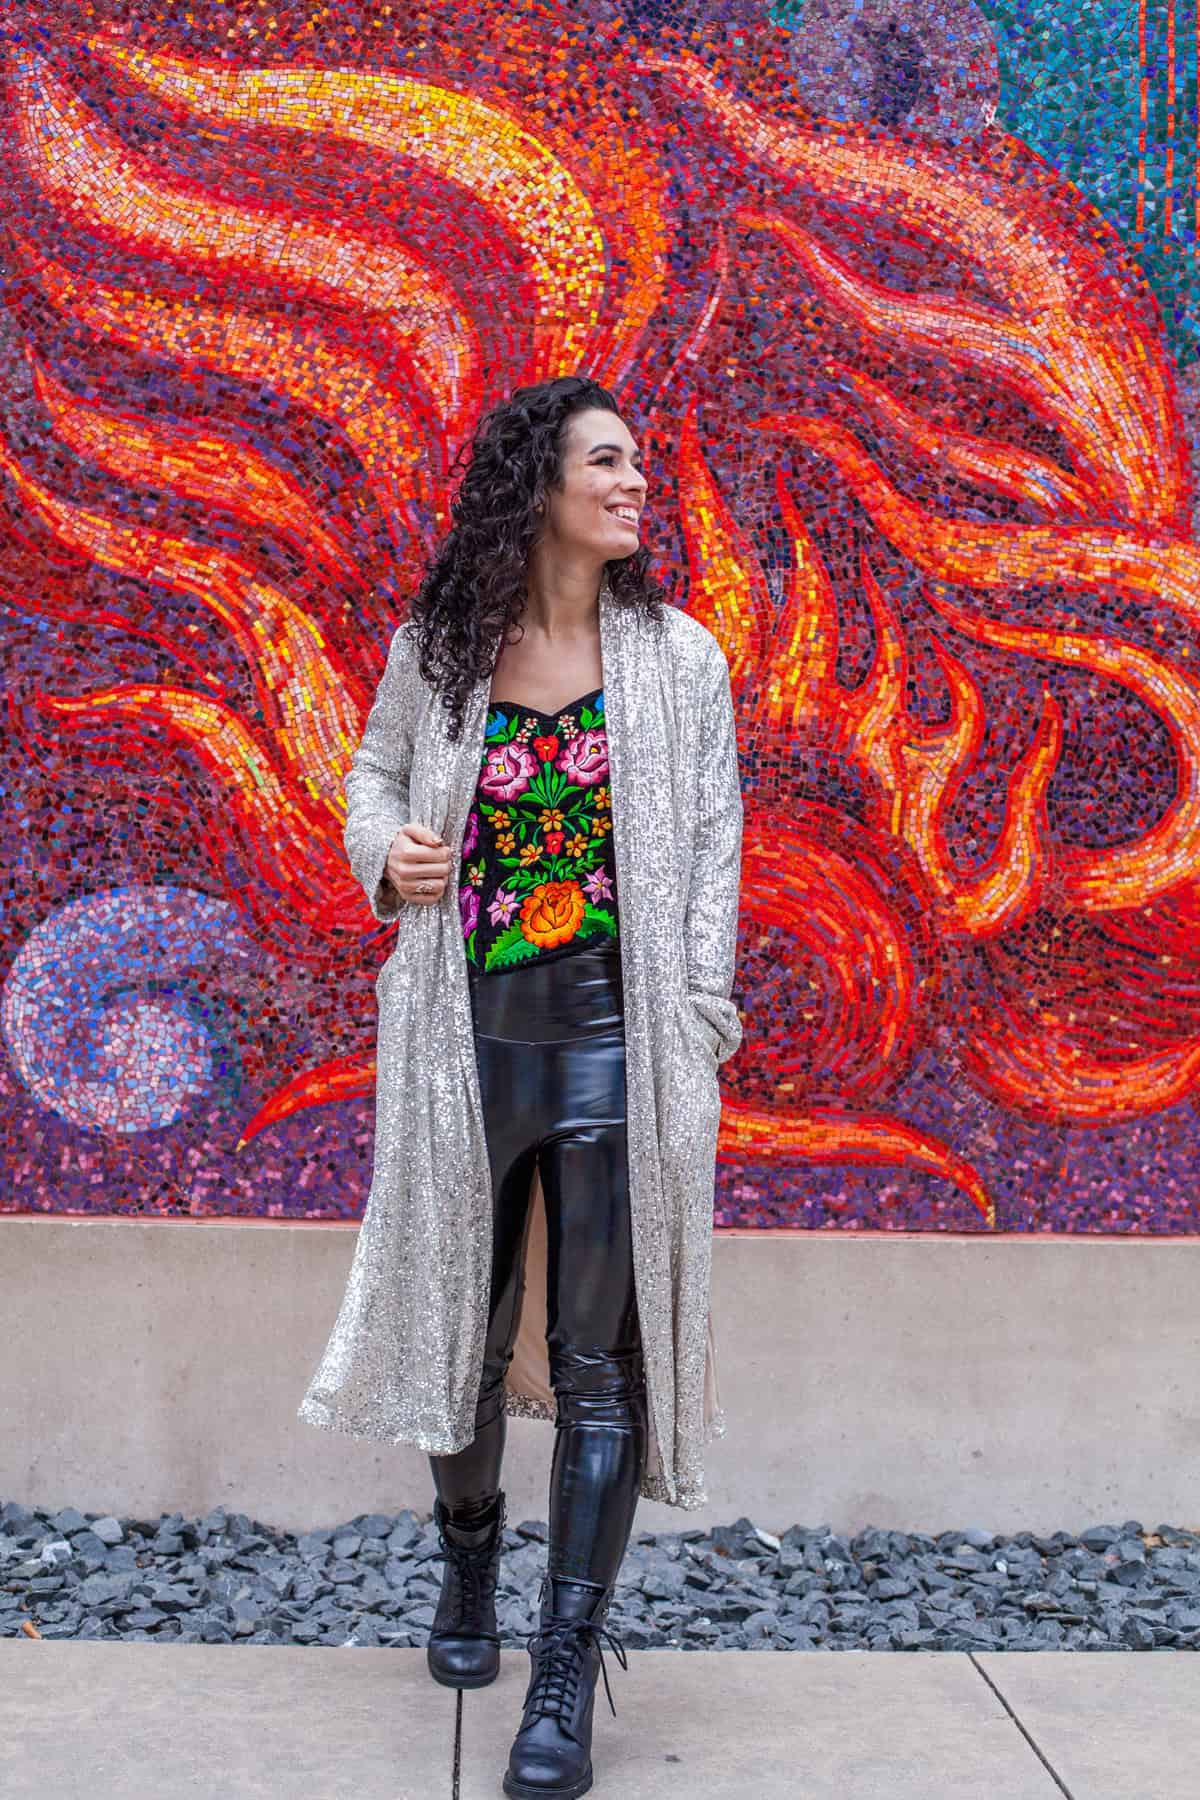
x: 602, y: 798
x: 600, y: 826
x: 530, y: 853
x: 551, y: 817
x: 506, y: 843
x: 577, y: 845
x: 500, y: 819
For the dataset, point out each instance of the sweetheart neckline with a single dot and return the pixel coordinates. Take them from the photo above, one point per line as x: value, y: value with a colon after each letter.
x: 520, y: 706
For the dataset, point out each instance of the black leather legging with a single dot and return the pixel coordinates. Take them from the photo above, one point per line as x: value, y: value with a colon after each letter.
x: 550, y: 1049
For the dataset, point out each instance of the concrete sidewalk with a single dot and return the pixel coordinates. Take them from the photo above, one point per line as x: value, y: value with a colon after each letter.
x: 96, y: 1721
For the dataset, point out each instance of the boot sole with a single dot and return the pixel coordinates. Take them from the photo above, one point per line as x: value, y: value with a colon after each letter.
x: 520, y: 1790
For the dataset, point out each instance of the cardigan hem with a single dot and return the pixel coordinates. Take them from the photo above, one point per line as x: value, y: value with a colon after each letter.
x: 654, y: 1487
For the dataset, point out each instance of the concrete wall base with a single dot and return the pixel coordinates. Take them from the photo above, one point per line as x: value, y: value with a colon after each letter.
x: 914, y: 1382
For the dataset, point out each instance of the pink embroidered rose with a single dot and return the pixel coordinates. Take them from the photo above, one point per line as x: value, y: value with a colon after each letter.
x: 471, y: 835
x: 509, y: 771
x: 585, y: 758
x: 468, y: 906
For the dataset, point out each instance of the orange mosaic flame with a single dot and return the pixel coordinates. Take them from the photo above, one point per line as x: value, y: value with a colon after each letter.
x: 758, y: 1135
x: 726, y: 592
x: 341, y: 1078
x: 1169, y: 852
x: 91, y: 175
x: 196, y: 465
x: 797, y: 879
x: 297, y: 360
x: 1001, y: 468
x: 1065, y: 333
x: 293, y: 853
x: 975, y: 554
x: 1038, y: 1068
x: 313, y: 710
x: 585, y: 215
x: 481, y: 147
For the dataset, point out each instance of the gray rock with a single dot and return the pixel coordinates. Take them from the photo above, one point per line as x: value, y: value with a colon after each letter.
x: 45, y: 1584
x: 68, y: 1521
x: 893, y: 1588
x: 98, y: 1589
x: 143, y: 1619
x: 376, y: 1525
x: 401, y: 1539
x: 664, y: 1583
x: 1099, y: 1537
x: 170, y: 1598
x: 230, y: 1579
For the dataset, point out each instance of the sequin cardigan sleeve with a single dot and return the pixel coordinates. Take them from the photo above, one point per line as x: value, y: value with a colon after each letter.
x: 711, y: 919
x: 377, y: 782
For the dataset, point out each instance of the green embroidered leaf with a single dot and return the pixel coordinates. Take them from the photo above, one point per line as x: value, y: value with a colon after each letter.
x: 510, y: 947
x: 599, y: 917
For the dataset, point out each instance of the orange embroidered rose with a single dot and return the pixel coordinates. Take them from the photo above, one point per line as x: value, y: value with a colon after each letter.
x: 552, y: 913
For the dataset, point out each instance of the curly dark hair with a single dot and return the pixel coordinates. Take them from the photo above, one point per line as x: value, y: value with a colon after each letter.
x: 475, y: 589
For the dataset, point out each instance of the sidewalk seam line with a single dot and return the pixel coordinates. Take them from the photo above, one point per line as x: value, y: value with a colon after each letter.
x: 1028, y: 1736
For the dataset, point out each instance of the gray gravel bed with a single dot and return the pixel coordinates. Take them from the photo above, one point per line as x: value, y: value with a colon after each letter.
x: 228, y: 1579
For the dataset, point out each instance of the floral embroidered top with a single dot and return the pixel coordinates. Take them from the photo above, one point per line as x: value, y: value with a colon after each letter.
x: 538, y: 876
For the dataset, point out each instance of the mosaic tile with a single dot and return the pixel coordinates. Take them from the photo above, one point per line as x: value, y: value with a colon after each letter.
x: 900, y: 302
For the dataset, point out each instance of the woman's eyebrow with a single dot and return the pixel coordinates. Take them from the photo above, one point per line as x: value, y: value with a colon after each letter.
x: 636, y: 457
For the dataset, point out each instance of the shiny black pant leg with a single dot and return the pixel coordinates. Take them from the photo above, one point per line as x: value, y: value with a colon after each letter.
x: 551, y: 1056
x: 467, y: 1481
x: 592, y: 1329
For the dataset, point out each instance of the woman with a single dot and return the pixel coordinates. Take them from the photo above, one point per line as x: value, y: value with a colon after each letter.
x: 546, y: 799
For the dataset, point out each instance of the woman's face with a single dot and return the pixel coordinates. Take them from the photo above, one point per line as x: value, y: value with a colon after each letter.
x: 603, y: 491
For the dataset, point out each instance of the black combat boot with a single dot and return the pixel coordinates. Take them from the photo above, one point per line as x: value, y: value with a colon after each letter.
x: 552, y: 1753
x: 464, y: 1644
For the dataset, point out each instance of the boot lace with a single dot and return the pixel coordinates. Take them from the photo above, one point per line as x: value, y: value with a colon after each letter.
x: 472, y: 1568
x: 559, y: 1663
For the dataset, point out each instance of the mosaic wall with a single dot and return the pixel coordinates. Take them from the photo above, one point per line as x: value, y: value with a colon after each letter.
x: 899, y: 300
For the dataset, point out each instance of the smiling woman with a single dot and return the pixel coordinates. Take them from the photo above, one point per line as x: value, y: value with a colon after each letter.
x: 538, y: 1235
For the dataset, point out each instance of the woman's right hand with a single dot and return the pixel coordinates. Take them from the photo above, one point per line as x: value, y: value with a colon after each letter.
x: 417, y: 858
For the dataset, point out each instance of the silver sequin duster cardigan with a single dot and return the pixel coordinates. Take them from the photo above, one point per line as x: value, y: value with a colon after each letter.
x: 405, y: 1356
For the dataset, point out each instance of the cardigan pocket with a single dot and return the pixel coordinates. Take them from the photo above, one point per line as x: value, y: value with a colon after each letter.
x: 694, y: 1110
x: 702, y: 1028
